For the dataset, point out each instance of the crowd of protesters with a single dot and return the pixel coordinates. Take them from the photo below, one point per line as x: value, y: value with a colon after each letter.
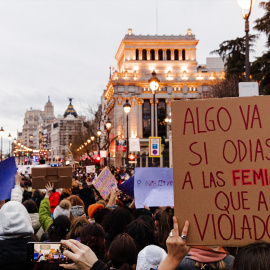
x: 107, y: 234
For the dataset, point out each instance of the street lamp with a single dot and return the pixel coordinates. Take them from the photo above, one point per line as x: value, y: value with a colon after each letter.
x: 108, y: 126
x: 246, y: 6
x: 154, y: 84
x: 1, y: 133
x: 127, y: 108
x: 9, y: 138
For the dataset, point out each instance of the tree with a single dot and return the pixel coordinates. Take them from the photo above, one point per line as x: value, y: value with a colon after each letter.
x: 260, y: 71
x: 260, y: 68
x: 225, y: 88
x: 233, y: 53
x: 263, y: 23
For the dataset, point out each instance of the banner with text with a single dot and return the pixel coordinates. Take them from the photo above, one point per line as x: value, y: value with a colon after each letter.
x: 153, y: 187
x: 221, y: 154
x: 104, y: 182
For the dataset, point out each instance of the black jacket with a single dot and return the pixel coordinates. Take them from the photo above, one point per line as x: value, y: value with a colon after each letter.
x: 87, y: 195
x: 13, y: 254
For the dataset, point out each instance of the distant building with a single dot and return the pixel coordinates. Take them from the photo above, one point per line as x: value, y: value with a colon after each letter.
x: 41, y: 136
x: 173, y: 58
x: 63, y: 130
x: 31, y: 120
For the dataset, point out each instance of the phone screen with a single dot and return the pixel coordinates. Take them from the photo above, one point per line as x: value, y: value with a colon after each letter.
x: 46, y: 252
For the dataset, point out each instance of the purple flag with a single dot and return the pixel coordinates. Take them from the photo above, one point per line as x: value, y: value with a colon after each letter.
x: 128, y: 187
x: 7, y: 177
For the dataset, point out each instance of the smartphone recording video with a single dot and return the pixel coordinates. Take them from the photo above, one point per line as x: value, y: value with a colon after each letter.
x: 46, y: 253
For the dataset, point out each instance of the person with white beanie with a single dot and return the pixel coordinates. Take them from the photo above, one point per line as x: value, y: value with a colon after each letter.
x: 150, y: 257
x: 15, y: 232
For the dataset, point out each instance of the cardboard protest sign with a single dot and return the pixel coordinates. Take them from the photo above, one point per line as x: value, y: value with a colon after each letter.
x: 7, y: 177
x: 153, y: 187
x: 60, y: 177
x: 90, y: 169
x: 128, y: 187
x: 104, y: 182
x: 221, y: 154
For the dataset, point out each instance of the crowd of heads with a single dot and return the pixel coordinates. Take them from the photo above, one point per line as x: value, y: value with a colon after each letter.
x: 119, y: 234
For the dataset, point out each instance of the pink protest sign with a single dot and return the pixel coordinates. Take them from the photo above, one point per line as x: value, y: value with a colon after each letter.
x: 104, y: 182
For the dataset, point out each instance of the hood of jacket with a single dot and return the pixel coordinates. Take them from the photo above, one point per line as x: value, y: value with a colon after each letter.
x: 35, y: 220
x: 15, y: 221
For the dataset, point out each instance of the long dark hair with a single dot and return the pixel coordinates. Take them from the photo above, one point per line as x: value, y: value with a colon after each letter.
x: 253, y: 256
x: 93, y: 236
x: 123, y: 252
x: 59, y: 228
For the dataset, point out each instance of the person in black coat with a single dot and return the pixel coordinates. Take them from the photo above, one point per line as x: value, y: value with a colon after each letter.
x: 15, y: 232
x: 87, y: 195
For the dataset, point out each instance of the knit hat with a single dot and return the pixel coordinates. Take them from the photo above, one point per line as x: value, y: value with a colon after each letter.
x: 92, y: 209
x: 62, y: 209
x: 150, y: 257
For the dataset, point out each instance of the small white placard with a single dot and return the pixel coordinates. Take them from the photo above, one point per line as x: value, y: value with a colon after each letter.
x: 248, y: 89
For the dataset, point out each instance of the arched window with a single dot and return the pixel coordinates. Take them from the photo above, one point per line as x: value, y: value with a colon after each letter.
x: 160, y: 54
x: 144, y: 54
x: 137, y: 54
x: 176, y: 54
x: 152, y: 54
x: 183, y: 54
x: 168, y: 53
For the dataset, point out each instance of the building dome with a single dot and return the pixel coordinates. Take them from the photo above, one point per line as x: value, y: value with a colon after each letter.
x: 70, y: 110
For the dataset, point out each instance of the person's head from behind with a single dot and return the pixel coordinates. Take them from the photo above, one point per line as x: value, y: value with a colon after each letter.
x: 123, y: 252
x: 253, y: 256
x: 75, y: 200
x: 142, y: 233
x: 100, y: 214
x: 165, y: 225
x: 59, y: 228
x: 76, y: 227
x: 30, y: 206
x: 15, y: 221
x: 116, y: 221
x: 93, y: 236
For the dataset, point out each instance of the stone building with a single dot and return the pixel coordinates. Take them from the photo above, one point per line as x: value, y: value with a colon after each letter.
x: 173, y: 58
x: 63, y: 130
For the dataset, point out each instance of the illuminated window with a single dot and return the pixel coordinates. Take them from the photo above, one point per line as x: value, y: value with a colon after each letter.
x: 192, y: 89
x: 152, y: 55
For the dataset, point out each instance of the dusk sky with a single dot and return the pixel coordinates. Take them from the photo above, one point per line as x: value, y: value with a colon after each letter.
x: 64, y: 48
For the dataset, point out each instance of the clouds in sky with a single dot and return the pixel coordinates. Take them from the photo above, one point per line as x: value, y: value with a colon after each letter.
x: 64, y: 48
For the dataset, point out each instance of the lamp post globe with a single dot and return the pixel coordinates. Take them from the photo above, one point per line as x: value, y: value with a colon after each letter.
x: 154, y: 85
x: 246, y: 6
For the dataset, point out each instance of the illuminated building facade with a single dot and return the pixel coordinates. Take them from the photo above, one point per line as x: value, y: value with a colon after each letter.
x: 173, y: 58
